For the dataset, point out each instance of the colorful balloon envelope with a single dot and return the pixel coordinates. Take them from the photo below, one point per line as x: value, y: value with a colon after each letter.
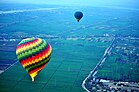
x: 33, y: 54
x: 78, y: 15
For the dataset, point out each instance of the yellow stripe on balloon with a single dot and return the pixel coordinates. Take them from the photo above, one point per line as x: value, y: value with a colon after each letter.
x: 33, y: 75
x: 46, y: 55
x: 29, y: 46
x: 40, y: 58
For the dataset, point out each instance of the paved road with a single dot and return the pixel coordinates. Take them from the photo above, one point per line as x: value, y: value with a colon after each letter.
x: 88, y: 80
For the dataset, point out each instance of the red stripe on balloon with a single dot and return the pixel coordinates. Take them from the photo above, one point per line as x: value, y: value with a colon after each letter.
x: 37, y: 69
x: 37, y: 56
x: 26, y: 44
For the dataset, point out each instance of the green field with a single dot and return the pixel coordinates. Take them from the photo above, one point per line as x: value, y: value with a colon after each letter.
x: 123, y: 62
x: 71, y: 62
x: 77, y: 47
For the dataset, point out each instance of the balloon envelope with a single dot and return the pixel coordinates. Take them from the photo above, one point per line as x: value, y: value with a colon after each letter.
x: 78, y: 15
x: 33, y: 54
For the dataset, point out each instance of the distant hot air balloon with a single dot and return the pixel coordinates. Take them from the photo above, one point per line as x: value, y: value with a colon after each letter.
x: 78, y: 15
x: 33, y: 54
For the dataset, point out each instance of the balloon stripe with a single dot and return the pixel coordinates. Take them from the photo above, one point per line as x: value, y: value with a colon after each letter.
x: 26, y: 40
x: 24, y: 43
x: 32, y: 51
x: 36, y: 70
x: 36, y: 65
x: 27, y: 46
x: 35, y: 49
x: 35, y: 60
x: 38, y: 57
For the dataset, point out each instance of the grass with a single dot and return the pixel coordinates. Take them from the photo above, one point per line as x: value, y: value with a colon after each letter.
x: 72, y: 60
x: 124, y: 70
x: 68, y: 67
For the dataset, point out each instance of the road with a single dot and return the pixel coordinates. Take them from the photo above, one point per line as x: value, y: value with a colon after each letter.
x: 87, y: 83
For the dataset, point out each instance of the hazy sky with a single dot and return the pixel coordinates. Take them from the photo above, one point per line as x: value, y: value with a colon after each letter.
x: 121, y: 3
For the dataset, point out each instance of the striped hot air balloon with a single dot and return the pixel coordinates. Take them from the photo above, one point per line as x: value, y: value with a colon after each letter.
x: 33, y: 54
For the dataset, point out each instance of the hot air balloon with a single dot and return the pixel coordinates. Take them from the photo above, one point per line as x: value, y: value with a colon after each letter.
x: 78, y: 15
x: 33, y: 54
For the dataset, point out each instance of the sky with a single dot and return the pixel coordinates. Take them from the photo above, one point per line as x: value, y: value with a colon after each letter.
x: 117, y: 3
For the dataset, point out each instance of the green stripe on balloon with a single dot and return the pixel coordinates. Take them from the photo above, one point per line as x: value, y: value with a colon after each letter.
x: 24, y: 41
x: 32, y: 51
x: 38, y: 64
x: 43, y: 42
